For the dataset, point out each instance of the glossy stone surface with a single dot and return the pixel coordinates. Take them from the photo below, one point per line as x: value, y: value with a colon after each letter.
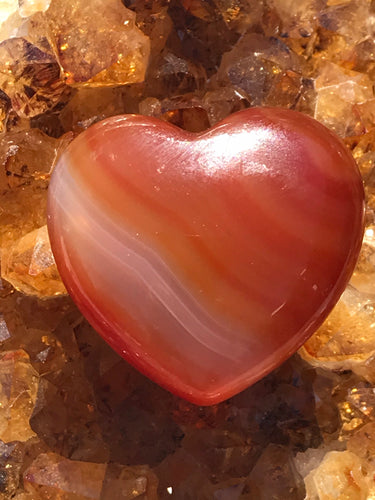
x: 206, y: 260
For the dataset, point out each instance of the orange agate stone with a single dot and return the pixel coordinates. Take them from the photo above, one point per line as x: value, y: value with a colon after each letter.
x: 206, y: 259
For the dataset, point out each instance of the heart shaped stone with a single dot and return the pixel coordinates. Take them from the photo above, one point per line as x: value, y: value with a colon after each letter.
x: 206, y: 260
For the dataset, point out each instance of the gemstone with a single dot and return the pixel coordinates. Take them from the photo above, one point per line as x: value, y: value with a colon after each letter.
x: 340, y: 475
x: 18, y: 394
x: 26, y: 159
x: 53, y: 476
x: 339, y: 92
x: 112, y: 51
x: 206, y: 259
x: 30, y: 77
x: 259, y: 66
x: 29, y: 265
x: 346, y: 339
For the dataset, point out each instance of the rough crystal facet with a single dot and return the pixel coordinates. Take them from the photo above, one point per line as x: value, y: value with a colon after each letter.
x: 111, y: 51
x: 29, y: 265
x: 18, y: 392
x: 53, y: 476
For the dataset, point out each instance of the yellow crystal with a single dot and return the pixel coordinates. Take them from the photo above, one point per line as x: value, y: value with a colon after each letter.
x: 29, y: 7
x: 26, y: 160
x: 18, y: 392
x: 363, y: 278
x: 30, y: 76
x: 7, y: 9
x: 297, y: 17
x: 362, y: 443
x: 107, y: 51
x: 339, y: 91
x: 347, y: 337
x: 240, y: 14
x: 30, y: 267
x: 340, y: 476
x: 53, y: 476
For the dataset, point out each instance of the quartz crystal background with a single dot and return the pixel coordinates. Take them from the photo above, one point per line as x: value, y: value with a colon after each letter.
x: 76, y: 421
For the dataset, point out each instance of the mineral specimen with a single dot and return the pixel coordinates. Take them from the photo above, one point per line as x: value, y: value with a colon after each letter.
x: 340, y: 475
x: 111, y: 51
x: 203, y: 274
x: 18, y: 391
x: 26, y: 160
x: 256, y: 65
x: 29, y: 265
x: 30, y: 77
x: 28, y: 7
x: 68, y: 398
x: 339, y: 91
x: 347, y: 337
x: 11, y: 460
x: 53, y: 476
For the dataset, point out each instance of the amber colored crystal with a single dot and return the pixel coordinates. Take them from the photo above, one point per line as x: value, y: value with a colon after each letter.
x: 11, y: 461
x: 362, y: 442
x: 298, y: 19
x: 30, y: 76
x: 8, y: 12
x: 90, y: 105
x: 256, y: 64
x: 111, y: 51
x: 26, y: 160
x: 240, y: 15
x: 29, y: 265
x: 18, y: 393
x: 53, y: 476
x: 347, y: 337
x: 363, y: 278
x: 4, y: 110
x: 340, y: 475
x: 29, y: 7
x: 67, y: 398
x: 338, y: 93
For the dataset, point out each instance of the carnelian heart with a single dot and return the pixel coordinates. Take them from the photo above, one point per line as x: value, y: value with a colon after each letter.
x: 206, y: 260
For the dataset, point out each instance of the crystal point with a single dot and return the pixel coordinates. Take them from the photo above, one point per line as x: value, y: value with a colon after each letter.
x: 18, y: 394
x: 110, y: 51
x: 29, y: 265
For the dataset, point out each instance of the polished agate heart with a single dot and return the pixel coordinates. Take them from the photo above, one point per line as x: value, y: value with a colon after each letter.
x: 206, y: 259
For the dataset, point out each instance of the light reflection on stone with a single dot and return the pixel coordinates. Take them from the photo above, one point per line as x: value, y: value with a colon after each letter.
x: 205, y: 63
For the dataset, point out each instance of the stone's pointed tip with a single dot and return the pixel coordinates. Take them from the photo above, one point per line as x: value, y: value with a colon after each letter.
x: 216, y: 255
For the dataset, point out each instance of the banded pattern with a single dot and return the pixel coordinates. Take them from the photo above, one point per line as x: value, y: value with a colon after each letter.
x: 206, y: 260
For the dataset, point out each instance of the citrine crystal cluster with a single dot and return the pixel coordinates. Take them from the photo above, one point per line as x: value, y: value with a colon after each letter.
x: 76, y: 421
